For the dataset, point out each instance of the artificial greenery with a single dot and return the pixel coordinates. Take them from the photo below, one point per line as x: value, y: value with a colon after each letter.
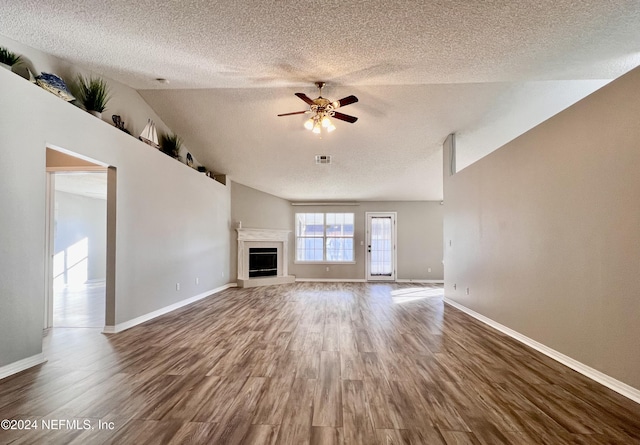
x: 7, y: 57
x: 93, y: 93
x: 170, y: 145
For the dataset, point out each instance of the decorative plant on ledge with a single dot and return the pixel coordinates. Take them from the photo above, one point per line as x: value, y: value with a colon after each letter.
x: 170, y: 145
x: 8, y: 58
x: 94, y: 94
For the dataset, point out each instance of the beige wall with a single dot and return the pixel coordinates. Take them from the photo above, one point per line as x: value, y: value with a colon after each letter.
x: 545, y: 232
x: 256, y: 210
x: 419, y: 233
x: 419, y: 244
x: 57, y: 160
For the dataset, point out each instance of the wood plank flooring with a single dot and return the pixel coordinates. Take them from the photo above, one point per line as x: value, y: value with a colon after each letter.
x: 310, y: 363
x: 80, y: 306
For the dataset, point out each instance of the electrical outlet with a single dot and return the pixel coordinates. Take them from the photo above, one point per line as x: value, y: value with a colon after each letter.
x: 467, y: 291
x: 197, y: 280
x: 327, y: 268
x: 177, y: 286
x: 429, y: 270
x: 455, y: 286
x: 223, y: 274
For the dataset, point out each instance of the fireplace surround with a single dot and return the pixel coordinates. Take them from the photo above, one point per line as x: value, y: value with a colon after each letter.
x: 270, y: 239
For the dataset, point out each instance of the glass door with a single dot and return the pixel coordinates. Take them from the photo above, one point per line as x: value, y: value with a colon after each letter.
x: 381, y: 246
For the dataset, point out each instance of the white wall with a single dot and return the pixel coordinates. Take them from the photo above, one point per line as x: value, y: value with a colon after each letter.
x: 172, y: 222
x: 80, y: 217
x: 545, y: 232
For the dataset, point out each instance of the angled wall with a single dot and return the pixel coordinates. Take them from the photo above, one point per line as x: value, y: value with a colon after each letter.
x: 544, y: 232
x: 172, y: 223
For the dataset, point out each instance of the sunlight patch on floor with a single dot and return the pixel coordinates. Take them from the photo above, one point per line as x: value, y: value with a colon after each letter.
x: 415, y: 293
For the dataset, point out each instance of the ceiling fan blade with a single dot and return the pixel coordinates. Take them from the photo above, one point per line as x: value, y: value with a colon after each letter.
x: 345, y: 101
x: 345, y: 117
x: 305, y: 98
x: 295, y: 112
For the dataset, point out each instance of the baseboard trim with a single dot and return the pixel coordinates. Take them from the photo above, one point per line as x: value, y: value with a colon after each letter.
x: 362, y: 280
x: 21, y: 365
x: 151, y: 315
x: 616, y: 385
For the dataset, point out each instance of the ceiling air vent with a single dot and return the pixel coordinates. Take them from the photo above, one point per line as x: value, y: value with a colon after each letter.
x: 323, y: 159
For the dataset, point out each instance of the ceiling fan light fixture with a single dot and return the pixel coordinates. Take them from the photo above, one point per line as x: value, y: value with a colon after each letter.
x: 309, y: 124
x: 322, y: 109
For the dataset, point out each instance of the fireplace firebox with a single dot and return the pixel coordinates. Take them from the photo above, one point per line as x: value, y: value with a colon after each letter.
x: 263, y: 262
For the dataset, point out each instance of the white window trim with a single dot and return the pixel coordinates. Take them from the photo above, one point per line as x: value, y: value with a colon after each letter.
x: 324, y: 238
x: 323, y: 262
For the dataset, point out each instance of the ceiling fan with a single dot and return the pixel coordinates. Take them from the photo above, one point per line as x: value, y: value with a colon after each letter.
x: 322, y: 109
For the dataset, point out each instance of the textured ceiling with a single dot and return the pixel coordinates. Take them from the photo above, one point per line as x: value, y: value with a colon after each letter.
x: 422, y: 69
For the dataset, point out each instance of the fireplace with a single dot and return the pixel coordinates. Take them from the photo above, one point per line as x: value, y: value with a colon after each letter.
x: 263, y: 257
x: 263, y: 262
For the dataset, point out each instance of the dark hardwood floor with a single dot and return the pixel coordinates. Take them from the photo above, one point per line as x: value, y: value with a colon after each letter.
x: 310, y: 363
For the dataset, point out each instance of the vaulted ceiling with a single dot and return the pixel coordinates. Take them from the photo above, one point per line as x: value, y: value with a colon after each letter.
x: 421, y: 69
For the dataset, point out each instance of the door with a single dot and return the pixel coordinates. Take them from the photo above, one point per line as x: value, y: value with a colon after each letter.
x: 381, y: 246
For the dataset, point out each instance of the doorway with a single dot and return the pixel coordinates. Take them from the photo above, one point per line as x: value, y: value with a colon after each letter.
x: 79, y: 254
x: 79, y: 215
x: 381, y: 246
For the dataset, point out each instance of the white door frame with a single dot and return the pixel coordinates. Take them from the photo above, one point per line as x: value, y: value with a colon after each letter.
x: 49, y: 250
x: 394, y: 256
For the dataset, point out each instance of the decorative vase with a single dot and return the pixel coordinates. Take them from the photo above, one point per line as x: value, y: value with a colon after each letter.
x: 55, y: 85
x: 97, y: 114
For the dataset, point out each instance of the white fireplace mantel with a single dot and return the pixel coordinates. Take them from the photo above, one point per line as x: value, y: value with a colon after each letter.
x: 278, y: 239
x: 263, y: 235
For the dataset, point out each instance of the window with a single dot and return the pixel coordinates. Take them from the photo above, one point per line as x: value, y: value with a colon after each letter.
x: 324, y: 237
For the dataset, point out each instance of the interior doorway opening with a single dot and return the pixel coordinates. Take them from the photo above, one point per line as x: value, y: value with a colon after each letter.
x: 79, y: 277
x: 79, y: 249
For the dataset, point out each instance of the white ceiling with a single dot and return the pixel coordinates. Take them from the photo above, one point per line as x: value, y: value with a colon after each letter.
x: 421, y: 69
x: 88, y: 184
